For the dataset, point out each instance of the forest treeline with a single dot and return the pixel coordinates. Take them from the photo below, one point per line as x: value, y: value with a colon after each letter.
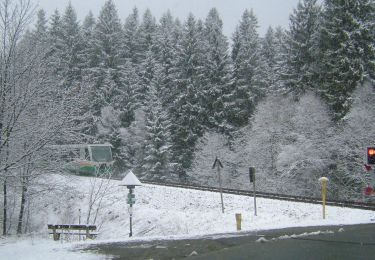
x: 187, y: 79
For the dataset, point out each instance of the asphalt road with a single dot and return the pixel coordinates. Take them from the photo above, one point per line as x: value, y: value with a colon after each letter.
x: 336, y: 242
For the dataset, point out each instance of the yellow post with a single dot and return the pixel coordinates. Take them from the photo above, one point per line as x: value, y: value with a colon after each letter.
x: 324, y: 181
x: 238, y: 221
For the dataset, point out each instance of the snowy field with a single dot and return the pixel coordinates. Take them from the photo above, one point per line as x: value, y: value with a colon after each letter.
x: 161, y: 213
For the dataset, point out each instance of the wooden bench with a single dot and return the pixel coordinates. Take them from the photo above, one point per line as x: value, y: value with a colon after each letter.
x: 71, y: 229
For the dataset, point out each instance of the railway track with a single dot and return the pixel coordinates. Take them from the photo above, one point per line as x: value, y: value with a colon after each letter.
x: 339, y: 203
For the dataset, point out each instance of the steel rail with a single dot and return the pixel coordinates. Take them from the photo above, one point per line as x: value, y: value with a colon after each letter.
x: 338, y: 203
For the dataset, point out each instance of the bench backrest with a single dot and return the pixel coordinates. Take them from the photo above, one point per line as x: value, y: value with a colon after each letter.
x: 72, y: 227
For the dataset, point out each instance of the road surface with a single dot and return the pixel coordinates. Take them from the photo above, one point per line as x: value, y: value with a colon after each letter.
x: 335, y: 242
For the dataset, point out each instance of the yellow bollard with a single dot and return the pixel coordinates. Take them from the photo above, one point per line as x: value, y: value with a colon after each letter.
x: 238, y: 221
x: 324, y: 181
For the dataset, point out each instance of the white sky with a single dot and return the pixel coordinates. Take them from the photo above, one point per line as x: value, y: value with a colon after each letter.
x: 268, y: 12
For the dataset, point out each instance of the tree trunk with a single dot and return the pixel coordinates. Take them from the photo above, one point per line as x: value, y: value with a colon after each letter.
x: 23, y: 203
x: 5, y: 208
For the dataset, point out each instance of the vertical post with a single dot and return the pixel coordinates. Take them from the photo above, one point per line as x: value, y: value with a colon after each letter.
x: 79, y: 222
x: 324, y: 181
x: 252, y: 180
x: 221, y: 188
x: 238, y: 221
x: 131, y: 213
x: 324, y: 192
x: 55, y: 237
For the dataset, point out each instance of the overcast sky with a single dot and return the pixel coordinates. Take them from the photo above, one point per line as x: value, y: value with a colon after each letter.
x: 268, y: 12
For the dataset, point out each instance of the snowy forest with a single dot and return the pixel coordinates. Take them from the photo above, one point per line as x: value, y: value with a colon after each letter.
x: 170, y: 95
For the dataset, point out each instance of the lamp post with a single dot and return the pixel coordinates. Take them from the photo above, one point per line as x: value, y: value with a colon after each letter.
x: 130, y: 181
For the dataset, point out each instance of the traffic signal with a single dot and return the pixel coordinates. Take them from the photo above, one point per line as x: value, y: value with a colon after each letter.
x: 371, y: 155
x: 252, y: 174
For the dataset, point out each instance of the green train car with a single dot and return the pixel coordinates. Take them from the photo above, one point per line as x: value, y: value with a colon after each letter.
x: 94, y: 159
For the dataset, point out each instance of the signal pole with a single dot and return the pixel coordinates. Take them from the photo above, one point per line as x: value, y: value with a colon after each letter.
x: 218, y: 165
x: 252, y: 180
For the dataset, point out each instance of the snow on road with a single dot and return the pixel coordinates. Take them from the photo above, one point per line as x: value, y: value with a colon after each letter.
x: 168, y: 213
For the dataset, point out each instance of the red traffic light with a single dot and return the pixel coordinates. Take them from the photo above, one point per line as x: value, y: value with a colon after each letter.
x: 371, y: 155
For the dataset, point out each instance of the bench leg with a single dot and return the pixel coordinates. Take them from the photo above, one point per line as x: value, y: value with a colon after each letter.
x: 88, y: 234
x: 56, y: 236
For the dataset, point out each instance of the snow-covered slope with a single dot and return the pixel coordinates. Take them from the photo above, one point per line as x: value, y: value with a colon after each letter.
x: 161, y: 212
x: 165, y: 211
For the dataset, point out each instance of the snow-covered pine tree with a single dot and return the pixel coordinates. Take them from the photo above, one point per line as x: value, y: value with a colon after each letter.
x: 186, y: 110
x: 71, y: 52
x: 39, y: 34
x: 147, y: 71
x: 54, y: 36
x: 107, y: 57
x: 131, y: 37
x: 300, y: 59
x: 113, y: 80
x: 66, y: 48
x: 126, y: 100
x: 346, y: 51
x: 269, y: 54
x: 88, y: 56
x: 246, y: 67
x: 280, y: 57
x: 217, y: 72
x: 166, y: 37
x: 146, y: 33
x: 157, y: 141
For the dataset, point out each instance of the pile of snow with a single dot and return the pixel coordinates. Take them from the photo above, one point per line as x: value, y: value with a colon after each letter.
x: 169, y: 213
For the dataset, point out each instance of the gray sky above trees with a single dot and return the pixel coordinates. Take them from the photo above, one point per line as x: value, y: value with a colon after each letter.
x: 269, y: 12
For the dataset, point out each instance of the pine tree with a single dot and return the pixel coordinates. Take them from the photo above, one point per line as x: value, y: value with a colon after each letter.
x: 131, y: 37
x: 114, y: 80
x: 346, y: 51
x: 39, y: 34
x: 269, y: 54
x: 127, y: 95
x: 146, y: 33
x: 66, y: 45
x: 54, y: 36
x: 247, y: 63
x: 280, y: 57
x: 300, y: 58
x: 88, y: 28
x: 217, y: 72
x: 167, y: 36
x: 107, y: 57
x: 71, y: 53
x: 186, y: 111
x: 156, y: 159
x: 147, y: 72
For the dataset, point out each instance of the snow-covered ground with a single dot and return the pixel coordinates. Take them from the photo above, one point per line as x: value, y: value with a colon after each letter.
x: 164, y: 212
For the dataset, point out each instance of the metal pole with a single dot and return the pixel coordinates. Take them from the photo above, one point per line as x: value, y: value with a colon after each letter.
x: 255, y: 199
x: 79, y: 222
x: 324, y: 191
x: 131, y: 222
x: 221, y: 189
x: 252, y: 179
x: 131, y: 214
